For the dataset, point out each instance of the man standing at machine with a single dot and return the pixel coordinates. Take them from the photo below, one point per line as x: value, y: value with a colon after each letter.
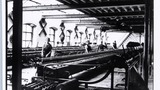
x: 101, y: 47
x: 114, y: 45
x: 88, y: 47
x: 46, y: 49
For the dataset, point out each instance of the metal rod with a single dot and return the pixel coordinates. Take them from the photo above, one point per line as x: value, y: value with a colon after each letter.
x: 17, y: 45
x: 112, y: 79
x: 126, y: 79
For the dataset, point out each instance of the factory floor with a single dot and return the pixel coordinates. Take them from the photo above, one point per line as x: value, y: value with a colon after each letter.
x: 28, y: 73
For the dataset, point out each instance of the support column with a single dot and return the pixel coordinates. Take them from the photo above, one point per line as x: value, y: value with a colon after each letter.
x: 17, y: 45
x: 147, y: 42
x: 151, y: 36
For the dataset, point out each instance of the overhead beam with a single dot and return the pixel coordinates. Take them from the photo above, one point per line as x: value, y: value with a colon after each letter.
x: 99, y: 20
x: 82, y: 21
x: 9, y: 0
x: 125, y: 39
x: 122, y: 14
x: 118, y: 9
x: 97, y: 26
x: 137, y: 25
x: 132, y: 9
x: 91, y: 23
x: 94, y: 24
x: 82, y: 6
x: 139, y: 8
x: 90, y: 26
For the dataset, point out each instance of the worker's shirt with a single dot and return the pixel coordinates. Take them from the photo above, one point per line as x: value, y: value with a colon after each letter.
x: 47, y: 49
x: 101, y: 47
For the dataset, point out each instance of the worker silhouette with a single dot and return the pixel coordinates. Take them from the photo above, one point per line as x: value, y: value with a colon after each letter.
x: 88, y: 47
x: 101, y: 47
x: 46, y: 49
x: 114, y: 45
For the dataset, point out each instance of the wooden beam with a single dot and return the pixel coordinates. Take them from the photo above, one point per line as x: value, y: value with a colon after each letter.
x: 105, y: 10
x: 82, y: 6
x: 9, y: 0
x: 94, y: 24
x: 66, y: 1
x: 137, y: 25
x: 82, y: 21
x: 111, y: 10
x: 75, y: 1
x: 125, y: 9
x: 118, y: 9
x: 132, y: 9
x: 139, y: 8
x: 125, y: 39
x: 86, y: 11
x: 92, y: 10
x: 90, y: 26
x: 97, y: 26
x: 99, y: 11
x: 122, y: 14
x: 83, y: 1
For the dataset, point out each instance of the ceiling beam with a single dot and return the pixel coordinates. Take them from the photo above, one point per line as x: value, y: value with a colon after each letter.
x: 131, y: 21
x: 132, y: 9
x: 94, y: 24
x: 82, y: 21
x: 122, y: 14
x: 82, y: 6
x: 118, y: 9
x: 139, y: 8
x: 137, y: 25
x: 90, y: 26
x: 9, y: 0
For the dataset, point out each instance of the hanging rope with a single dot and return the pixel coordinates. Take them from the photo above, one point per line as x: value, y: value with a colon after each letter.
x: 101, y: 37
x: 43, y: 24
x: 76, y: 30
x: 86, y: 32
x: 94, y: 34
x: 11, y: 19
x: 62, y: 35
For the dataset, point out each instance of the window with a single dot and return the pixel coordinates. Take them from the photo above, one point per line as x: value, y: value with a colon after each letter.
x: 52, y: 32
x: 27, y: 36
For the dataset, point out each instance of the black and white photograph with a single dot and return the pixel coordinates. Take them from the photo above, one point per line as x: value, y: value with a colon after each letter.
x: 79, y: 45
